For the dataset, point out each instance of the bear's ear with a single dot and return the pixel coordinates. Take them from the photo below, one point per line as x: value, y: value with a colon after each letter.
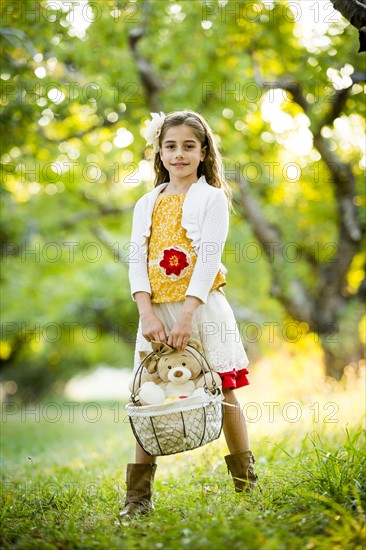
x: 151, y: 363
x: 195, y: 344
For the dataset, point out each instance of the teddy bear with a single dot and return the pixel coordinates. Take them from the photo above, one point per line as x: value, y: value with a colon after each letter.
x: 170, y: 374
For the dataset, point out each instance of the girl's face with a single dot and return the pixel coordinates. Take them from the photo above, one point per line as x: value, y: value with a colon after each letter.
x: 181, y: 152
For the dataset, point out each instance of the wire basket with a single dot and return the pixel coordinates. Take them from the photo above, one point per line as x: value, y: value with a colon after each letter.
x: 180, y: 425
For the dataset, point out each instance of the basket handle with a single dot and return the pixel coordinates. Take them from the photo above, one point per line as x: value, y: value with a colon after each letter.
x: 214, y: 385
x: 139, y: 370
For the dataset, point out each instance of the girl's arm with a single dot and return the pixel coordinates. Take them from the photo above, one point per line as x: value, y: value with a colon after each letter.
x: 137, y: 269
x: 213, y: 233
x: 151, y: 326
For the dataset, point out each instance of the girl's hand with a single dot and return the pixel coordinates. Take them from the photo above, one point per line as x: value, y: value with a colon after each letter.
x: 152, y: 328
x: 181, y: 332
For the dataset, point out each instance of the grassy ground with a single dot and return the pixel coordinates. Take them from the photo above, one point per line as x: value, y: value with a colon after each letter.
x: 63, y: 470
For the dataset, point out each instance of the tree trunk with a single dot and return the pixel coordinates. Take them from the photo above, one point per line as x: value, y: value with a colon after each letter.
x: 334, y: 364
x: 355, y: 12
x: 336, y: 358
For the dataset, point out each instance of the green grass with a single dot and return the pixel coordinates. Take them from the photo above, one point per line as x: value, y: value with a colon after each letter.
x: 62, y: 483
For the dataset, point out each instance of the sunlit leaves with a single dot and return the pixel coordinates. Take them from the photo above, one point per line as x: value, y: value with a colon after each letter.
x: 73, y: 106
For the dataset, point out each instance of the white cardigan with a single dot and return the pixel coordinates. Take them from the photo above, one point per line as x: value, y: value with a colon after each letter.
x: 205, y: 218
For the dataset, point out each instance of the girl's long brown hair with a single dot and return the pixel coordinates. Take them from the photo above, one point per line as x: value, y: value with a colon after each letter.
x: 212, y: 165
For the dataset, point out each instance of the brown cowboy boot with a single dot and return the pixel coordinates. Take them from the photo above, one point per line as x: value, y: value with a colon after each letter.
x: 241, y: 467
x: 139, y: 480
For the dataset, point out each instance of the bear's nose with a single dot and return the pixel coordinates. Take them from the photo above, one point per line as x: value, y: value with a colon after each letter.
x: 178, y: 373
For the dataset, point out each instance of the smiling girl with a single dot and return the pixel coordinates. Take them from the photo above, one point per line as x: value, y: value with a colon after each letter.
x: 177, y: 280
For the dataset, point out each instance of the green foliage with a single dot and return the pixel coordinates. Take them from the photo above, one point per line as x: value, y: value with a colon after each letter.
x: 69, y: 98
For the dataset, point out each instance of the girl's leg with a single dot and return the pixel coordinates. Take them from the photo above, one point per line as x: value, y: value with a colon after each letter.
x: 240, y: 461
x: 142, y: 457
x: 235, y: 427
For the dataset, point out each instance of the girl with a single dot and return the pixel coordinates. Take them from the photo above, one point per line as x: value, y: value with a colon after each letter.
x: 176, y: 276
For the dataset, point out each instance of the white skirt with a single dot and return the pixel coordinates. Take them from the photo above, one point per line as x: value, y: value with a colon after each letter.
x: 213, y: 324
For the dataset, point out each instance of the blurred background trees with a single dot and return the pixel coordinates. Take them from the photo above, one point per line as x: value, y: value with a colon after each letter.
x: 283, y: 88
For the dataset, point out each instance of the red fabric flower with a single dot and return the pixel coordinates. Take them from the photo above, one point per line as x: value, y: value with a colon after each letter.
x: 174, y: 261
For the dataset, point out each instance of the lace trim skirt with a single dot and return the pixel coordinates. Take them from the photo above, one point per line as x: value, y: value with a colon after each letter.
x: 214, y: 325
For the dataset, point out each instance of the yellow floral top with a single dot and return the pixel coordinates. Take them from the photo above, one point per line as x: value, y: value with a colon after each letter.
x: 171, y: 258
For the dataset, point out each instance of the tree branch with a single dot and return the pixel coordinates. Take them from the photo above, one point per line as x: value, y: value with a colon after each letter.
x: 13, y: 35
x: 105, y: 238
x: 264, y: 232
x: 150, y: 82
x: 340, y: 98
x: 80, y: 216
x: 294, y: 88
x: 330, y: 293
x: 79, y: 135
x: 342, y: 175
x: 332, y: 278
x: 292, y: 295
